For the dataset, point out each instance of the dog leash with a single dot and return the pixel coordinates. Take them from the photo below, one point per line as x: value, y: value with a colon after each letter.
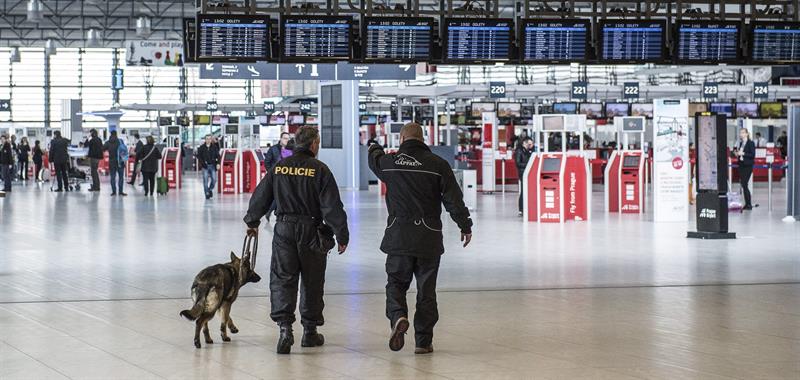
x: 250, y: 244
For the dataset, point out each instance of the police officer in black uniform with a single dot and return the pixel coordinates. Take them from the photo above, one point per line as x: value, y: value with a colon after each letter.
x: 307, y: 195
x: 417, y: 184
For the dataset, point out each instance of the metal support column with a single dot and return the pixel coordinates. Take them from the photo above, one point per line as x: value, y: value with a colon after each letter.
x: 46, y: 90
x: 115, y: 92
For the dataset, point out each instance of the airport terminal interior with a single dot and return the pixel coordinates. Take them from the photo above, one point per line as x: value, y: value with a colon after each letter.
x: 630, y: 169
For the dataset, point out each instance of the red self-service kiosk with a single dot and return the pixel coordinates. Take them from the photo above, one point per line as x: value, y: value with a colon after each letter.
x: 558, y: 188
x: 230, y: 172
x: 131, y: 162
x: 253, y: 169
x: 625, y: 182
x: 171, y: 167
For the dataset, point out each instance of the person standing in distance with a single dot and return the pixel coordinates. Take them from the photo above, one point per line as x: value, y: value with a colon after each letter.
x: 95, y: 156
x: 59, y: 155
x: 208, y: 156
x: 137, y: 166
x: 521, y: 157
x: 417, y: 184
x: 274, y: 155
x: 115, y: 167
x: 746, y: 152
x: 6, y: 162
x: 309, y: 212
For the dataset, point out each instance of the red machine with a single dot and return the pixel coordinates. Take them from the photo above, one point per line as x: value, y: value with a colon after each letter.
x: 558, y: 188
x: 171, y: 167
x: 624, y: 182
x: 253, y: 169
x: 131, y: 164
x: 230, y: 172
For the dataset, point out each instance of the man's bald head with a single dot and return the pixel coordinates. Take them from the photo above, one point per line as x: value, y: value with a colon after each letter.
x: 411, y: 131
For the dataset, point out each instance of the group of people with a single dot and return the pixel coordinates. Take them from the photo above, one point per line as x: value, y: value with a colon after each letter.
x: 309, y: 214
x: 15, y: 160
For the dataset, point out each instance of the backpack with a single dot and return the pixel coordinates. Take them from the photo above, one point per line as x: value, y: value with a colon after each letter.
x: 122, y: 152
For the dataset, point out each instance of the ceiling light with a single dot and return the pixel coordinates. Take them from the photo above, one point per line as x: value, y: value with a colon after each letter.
x: 35, y: 10
x: 50, y: 47
x: 143, y: 26
x: 93, y: 38
x: 15, y: 56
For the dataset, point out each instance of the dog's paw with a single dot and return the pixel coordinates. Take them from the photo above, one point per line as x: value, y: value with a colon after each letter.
x: 226, y: 339
x: 234, y: 330
x: 209, y: 341
x: 197, y: 343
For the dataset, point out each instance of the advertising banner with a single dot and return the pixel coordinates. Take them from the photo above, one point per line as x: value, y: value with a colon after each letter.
x: 153, y: 53
x: 671, y: 165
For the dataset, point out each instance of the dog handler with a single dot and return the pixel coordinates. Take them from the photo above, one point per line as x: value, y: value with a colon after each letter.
x: 417, y: 184
x: 306, y: 194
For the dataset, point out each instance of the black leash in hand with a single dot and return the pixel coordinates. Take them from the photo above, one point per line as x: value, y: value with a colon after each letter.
x: 250, y: 245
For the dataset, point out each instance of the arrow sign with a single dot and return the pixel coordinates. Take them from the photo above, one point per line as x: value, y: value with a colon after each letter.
x: 353, y: 71
x: 301, y: 71
x: 5, y: 105
x: 258, y: 70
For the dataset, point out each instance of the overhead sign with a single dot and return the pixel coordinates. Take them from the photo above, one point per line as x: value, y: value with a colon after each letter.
x: 497, y: 89
x: 212, y: 105
x: 760, y: 90
x: 579, y: 91
x: 117, y: 79
x: 630, y: 90
x: 5, y: 105
x: 153, y: 53
x: 305, y: 106
x: 351, y: 71
x: 710, y: 90
x: 307, y: 71
x: 269, y: 107
x: 256, y: 70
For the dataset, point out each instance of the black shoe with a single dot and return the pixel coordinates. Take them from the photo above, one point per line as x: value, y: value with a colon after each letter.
x: 423, y: 350
x: 748, y: 207
x: 397, y: 339
x: 123, y: 194
x: 57, y: 190
x: 311, y: 338
x: 286, y: 340
x: 113, y: 194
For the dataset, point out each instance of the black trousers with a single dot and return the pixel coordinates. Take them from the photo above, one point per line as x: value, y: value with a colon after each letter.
x: 294, y: 261
x: 745, y: 172
x: 37, y: 174
x: 400, y: 270
x: 93, y: 164
x: 136, y: 170
x: 62, y: 175
x: 5, y: 175
x: 23, y: 169
x: 149, y: 179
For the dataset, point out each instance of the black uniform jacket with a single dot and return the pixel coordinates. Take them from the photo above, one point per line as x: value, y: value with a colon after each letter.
x: 418, y: 182
x: 95, y: 148
x: 58, y: 150
x: 301, y: 185
x: 748, y: 158
x: 6, y: 154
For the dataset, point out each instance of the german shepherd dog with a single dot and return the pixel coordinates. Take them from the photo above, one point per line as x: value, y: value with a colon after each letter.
x: 215, y: 289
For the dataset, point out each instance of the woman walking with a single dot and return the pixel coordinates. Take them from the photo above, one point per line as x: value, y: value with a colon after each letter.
x: 38, y: 154
x: 23, y: 154
x: 151, y: 156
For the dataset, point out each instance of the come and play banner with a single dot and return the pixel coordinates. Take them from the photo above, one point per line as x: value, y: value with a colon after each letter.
x: 153, y: 53
x: 671, y: 165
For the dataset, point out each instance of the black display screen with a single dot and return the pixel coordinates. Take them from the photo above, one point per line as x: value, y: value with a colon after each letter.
x: 551, y: 165
x: 630, y: 161
x: 229, y: 156
x: 708, y: 42
x: 555, y: 41
x: 236, y: 38
x: 775, y: 42
x: 171, y: 154
x: 316, y: 38
x: 189, y: 40
x: 477, y: 40
x: 173, y: 131
x: 395, y: 39
x: 632, y: 41
x: 231, y: 129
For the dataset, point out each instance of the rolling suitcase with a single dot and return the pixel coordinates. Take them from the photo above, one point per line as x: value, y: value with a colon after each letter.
x: 162, y: 187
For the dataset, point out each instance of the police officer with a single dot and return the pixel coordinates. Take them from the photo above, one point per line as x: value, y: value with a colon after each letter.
x: 307, y: 195
x: 417, y: 184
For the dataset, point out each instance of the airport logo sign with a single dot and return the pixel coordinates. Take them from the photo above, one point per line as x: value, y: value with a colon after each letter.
x: 406, y: 160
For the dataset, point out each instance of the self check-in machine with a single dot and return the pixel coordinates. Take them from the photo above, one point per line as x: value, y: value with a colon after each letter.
x: 253, y: 168
x: 171, y: 160
x: 712, y: 177
x: 624, y: 176
x: 558, y: 184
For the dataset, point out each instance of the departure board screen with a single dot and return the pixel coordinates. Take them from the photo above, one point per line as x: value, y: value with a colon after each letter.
x: 708, y: 42
x: 235, y: 38
x: 477, y: 40
x: 316, y: 38
x: 632, y: 41
x: 775, y: 42
x: 555, y: 41
x: 397, y: 39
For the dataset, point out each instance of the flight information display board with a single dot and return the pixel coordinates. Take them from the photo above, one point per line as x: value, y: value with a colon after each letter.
x: 555, y: 41
x: 316, y: 38
x: 632, y: 41
x: 477, y: 40
x: 236, y: 38
x: 775, y: 42
x: 397, y: 39
x: 708, y: 42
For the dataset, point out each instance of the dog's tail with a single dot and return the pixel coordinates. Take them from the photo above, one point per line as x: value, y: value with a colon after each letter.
x: 200, y: 294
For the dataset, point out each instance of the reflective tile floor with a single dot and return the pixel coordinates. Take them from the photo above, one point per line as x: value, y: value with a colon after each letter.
x: 91, y: 286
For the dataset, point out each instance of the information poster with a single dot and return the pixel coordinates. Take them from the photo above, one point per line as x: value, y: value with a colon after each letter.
x: 671, y: 160
x: 153, y: 53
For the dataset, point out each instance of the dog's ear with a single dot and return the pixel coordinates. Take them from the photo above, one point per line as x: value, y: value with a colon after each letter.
x: 233, y: 257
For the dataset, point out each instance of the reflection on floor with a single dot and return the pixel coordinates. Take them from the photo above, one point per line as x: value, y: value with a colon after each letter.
x: 91, y: 288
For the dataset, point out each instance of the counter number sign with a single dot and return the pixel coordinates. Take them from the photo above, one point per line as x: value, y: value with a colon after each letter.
x: 630, y: 90
x: 269, y: 107
x: 5, y: 105
x: 497, y: 89
x: 212, y: 105
x: 305, y: 106
x: 710, y: 90
x: 760, y: 90
x: 580, y: 90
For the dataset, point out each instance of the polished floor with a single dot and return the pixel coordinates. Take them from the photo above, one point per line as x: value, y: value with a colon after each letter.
x: 90, y: 287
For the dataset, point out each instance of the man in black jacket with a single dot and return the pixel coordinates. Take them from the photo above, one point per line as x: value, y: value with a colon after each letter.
x: 746, y: 152
x: 208, y: 156
x: 522, y: 155
x: 95, y: 156
x: 59, y: 156
x: 6, y: 161
x: 307, y: 196
x: 137, y: 166
x: 417, y: 184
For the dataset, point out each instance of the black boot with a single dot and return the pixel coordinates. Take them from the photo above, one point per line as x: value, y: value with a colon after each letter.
x: 286, y: 340
x: 311, y: 338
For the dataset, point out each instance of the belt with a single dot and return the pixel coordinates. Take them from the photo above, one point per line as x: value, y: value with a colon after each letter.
x: 298, y: 219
